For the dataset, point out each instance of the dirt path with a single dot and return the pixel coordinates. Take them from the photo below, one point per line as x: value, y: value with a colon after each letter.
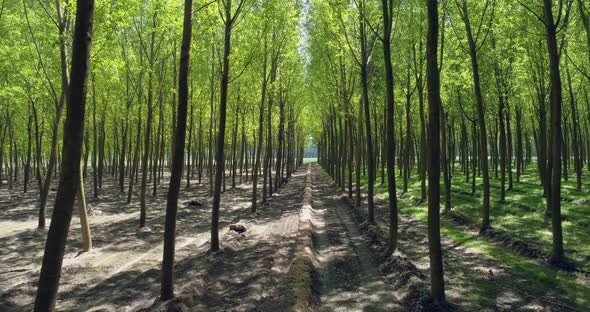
x: 251, y: 272
x: 348, y: 272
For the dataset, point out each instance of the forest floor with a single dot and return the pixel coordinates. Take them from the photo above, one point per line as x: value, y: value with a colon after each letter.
x: 122, y: 271
x: 352, y: 269
x: 348, y: 275
x: 355, y: 271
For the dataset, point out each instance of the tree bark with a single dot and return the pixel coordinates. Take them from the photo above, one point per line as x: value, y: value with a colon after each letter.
x: 437, y: 283
x: 387, y: 7
x: 167, y: 286
x: 219, y: 156
x: 556, y: 100
x: 70, y: 175
x: 483, y: 145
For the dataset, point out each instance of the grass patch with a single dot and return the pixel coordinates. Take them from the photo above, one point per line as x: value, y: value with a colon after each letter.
x: 309, y: 160
x: 529, y: 226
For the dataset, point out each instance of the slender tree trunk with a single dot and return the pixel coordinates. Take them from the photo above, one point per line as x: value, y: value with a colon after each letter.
x: 132, y: 174
x: 556, y: 101
x: 509, y: 151
x: 483, y: 145
x: 445, y: 163
x: 95, y: 142
x: 501, y: 96
x: 387, y: 7
x: 38, y: 151
x: 101, y: 148
x: 234, y: 143
x: 282, y: 100
x: 159, y: 138
x: 365, y: 98
x: 219, y: 156
x: 576, y: 144
x: 29, y: 144
x: 82, y: 211
x: 70, y: 175
x: 437, y: 283
x: 188, y: 152
x: 51, y: 164
x: 268, y: 152
x: 167, y: 286
x: 148, y: 128
x: 260, y: 132
x: 519, y: 143
x: 358, y: 155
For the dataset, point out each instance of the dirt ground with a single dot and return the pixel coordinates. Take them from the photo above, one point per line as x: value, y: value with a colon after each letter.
x: 121, y: 273
x: 349, y: 278
x: 354, y: 275
x: 253, y: 269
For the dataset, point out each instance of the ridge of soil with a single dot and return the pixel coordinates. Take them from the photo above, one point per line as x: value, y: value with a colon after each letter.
x: 355, y: 273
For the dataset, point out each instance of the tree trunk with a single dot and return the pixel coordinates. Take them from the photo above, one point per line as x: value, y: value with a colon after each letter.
x: 72, y: 149
x: 82, y: 211
x: 576, y: 144
x: 555, y: 163
x: 483, y: 145
x: 260, y: 132
x: 167, y: 285
x: 148, y: 128
x: 437, y: 283
x: 29, y: 144
x: 365, y: 98
x: 387, y: 7
x: 219, y: 156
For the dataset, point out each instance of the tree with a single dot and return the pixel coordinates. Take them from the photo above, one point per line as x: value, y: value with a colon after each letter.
x: 151, y: 56
x: 387, y: 7
x: 551, y: 28
x: 229, y: 20
x: 363, y: 62
x: 72, y: 154
x: 437, y: 283
x: 474, y: 45
x: 167, y: 287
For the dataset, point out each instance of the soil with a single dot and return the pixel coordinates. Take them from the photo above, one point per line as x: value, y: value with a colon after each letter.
x: 122, y: 271
x: 349, y: 278
x: 518, y: 246
x: 306, y: 249
x: 470, y: 274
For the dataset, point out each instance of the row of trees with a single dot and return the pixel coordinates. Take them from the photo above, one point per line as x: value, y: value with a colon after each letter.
x: 252, y: 67
x: 495, y: 114
x: 148, y: 110
x: 132, y: 95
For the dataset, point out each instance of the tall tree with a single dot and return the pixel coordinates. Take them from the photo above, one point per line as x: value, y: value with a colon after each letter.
x: 167, y: 287
x: 475, y: 43
x: 72, y: 153
x: 366, y: 49
x: 387, y: 7
x: 437, y: 283
x: 151, y: 56
x: 555, y: 99
x: 229, y: 19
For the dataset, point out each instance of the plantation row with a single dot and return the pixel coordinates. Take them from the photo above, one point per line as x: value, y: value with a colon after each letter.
x: 514, y: 110
x: 491, y: 97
